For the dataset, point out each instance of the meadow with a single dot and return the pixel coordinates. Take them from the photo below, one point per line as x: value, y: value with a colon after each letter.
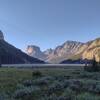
x: 49, y: 84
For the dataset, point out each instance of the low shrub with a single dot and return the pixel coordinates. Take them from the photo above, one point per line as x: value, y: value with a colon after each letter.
x: 36, y: 74
x: 97, y: 89
x: 55, y: 87
x: 43, y: 81
x: 54, y: 97
x: 20, y: 86
x: 27, y: 83
x: 87, y: 96
x: 88, y: 85
x: 69, y: 94
x: 26, y: 91
x: 4, y: 96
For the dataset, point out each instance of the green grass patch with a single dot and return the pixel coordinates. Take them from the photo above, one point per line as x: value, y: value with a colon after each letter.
x: 49, y: 84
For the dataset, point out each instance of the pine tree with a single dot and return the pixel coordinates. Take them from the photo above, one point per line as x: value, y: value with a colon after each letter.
x: 94, y: 65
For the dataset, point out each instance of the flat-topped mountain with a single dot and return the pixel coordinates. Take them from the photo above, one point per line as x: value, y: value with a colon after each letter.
x: 35, y: 51
x: 11, y: 55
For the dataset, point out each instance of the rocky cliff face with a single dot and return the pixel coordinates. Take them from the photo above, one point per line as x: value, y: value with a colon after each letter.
x: 64, y: 51
x: 48, y: 51
x: 55, y: 55
x: 35, y: 51
x: 93, y: 50
x: 69, y: 50
x: 88, y: 51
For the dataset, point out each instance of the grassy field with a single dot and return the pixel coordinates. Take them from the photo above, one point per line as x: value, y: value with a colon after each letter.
x: 49, y: 84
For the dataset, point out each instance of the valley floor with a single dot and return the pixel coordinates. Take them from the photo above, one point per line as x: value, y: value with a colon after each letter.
x: 49, y: 84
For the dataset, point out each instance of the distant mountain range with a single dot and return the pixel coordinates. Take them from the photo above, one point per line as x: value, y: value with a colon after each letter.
x: 72, y: 50
x: 11, y: 55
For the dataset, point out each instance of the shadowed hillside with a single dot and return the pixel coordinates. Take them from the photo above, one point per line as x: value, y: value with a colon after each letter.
x: 11, y: 55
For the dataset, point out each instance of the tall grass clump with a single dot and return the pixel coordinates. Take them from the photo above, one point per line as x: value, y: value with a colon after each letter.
x: 36, y: 74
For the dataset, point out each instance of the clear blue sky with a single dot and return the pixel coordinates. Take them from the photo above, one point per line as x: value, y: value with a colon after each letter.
x: 47, y: 23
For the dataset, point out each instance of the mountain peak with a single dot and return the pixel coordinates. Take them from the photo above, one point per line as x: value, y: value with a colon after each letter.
x: 32, y: 49
x: 35, y: 51
x: 48, y: 51
x: 72, y: 42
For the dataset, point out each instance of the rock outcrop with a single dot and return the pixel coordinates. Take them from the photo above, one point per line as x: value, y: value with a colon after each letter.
x: 35, y: 51
x: 93, y: 50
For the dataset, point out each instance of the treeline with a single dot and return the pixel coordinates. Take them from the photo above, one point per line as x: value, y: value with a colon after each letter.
x: 94, y: 66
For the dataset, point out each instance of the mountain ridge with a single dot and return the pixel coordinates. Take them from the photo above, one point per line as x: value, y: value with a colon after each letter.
x: 72, y: 50
x: 9, y: 54
x: 51, y: 55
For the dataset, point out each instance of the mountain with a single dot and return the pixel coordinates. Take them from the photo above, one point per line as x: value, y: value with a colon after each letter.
x: 63, y: 51
x: 48, y: 51
x: 70, y: 50
x: 56, y: 55
x: 87, y: 51
x: 93, y: 50
x: 35, y: 51
x: 11, y: 55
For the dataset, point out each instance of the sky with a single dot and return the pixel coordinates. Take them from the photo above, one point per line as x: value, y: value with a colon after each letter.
x: 48, y: 23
